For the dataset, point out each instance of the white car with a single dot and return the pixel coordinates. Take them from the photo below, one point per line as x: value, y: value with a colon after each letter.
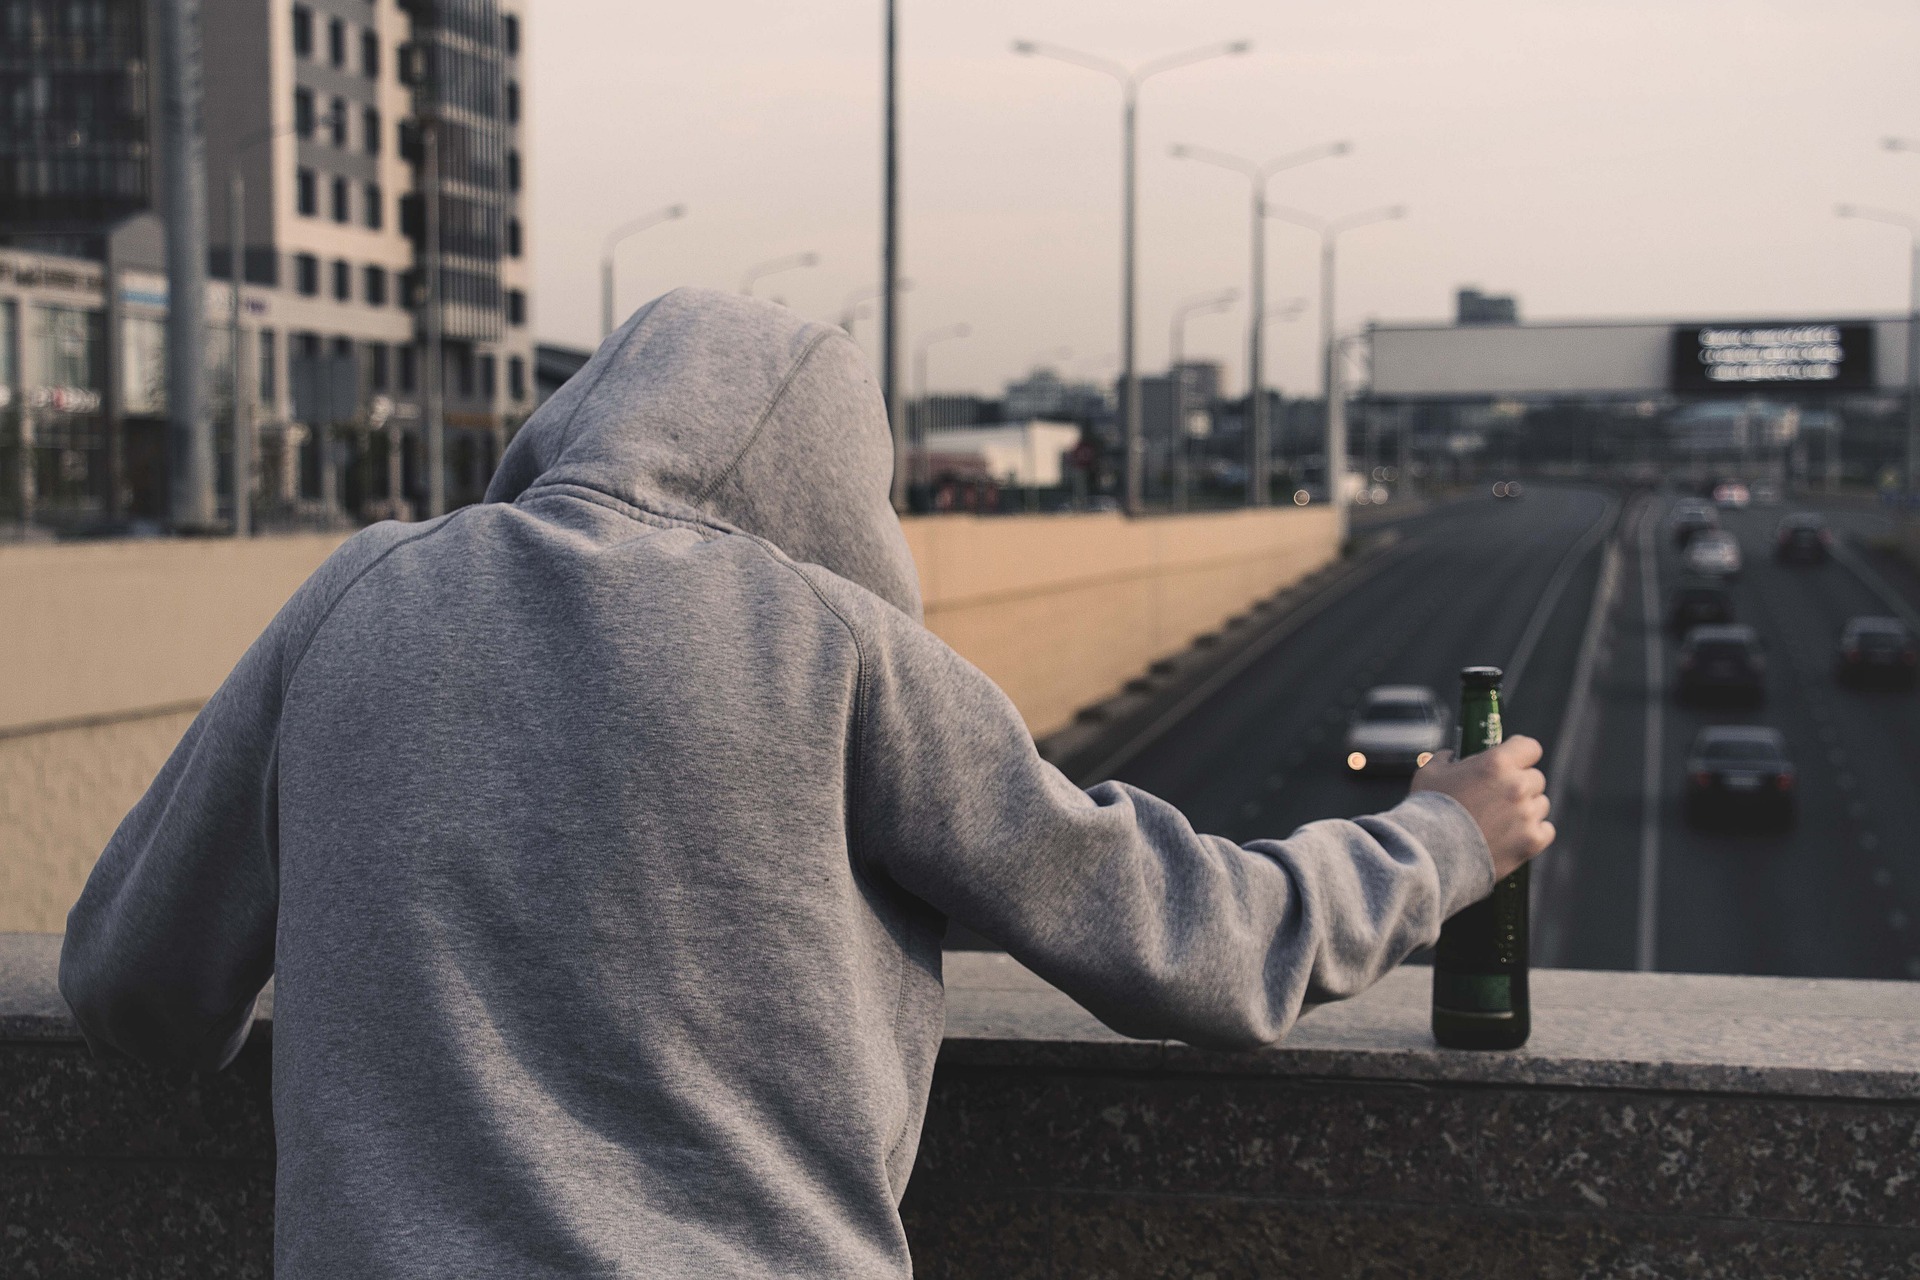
x: 1397, y: 729
x: 1713, y: 555
x: 1732, y: 495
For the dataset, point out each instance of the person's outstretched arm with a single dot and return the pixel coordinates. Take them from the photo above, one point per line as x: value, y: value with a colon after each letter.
x: 1112, y: 896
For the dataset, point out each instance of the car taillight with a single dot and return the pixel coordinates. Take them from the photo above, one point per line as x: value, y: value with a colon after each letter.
x: 1826, y: 536
x: 1702, y: 779
x: 1850, y: 652
x: 1784, y: 781
x: 1909, y: 657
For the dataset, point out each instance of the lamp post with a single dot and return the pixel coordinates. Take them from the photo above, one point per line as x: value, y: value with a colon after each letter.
x: 1912, y: 227
x: 1203, y: 304
x: 950, y: 332
x: 774, y: 266
x: 1130, y: 79
x: 1257, y: 176
x: 1330, y: 232
x: 613, y: 241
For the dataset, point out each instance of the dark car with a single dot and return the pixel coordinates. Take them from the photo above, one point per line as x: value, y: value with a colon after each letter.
x: 1690, y: 518
x: 1876, y: 651
x: 1738, y: 775
x: 1698, y: 604
x: 1802, y: 538
x: 1721, y: 664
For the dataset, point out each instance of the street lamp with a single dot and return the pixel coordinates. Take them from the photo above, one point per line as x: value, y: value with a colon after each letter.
x: 1203, y: 304
x: 1912, y: 228
x: 1330, y: 232
x: 1130, y: 78
x: 774, y: 266
x: 1258, y: 175
x: 613, y: 241
x: 947, y: 334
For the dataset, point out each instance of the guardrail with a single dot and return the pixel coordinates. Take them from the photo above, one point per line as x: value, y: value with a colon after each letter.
x: 1657, y: 1125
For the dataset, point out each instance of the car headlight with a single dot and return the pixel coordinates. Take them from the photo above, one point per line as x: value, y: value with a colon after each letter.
x: 1356, y: 761
x: 1420, y: 761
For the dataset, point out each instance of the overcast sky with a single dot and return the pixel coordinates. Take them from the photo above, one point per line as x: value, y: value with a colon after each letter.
x: 1595, y: 157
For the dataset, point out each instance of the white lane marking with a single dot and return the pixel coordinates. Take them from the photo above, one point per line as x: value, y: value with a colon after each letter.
x: 1882, y: 877
x: 1550, y: 599
x: 1877, y: 584
x: 1868, y: 840
x: 1647, y: 950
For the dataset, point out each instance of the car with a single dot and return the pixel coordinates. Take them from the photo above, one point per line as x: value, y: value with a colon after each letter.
x: 1739, y: 774
x: 1765, y: 493
x: 1507, y: 489
x: 1690, y: 519
x: 1732, y: 495
x: 1698, y: 604
x: 1802, y: 538
x: 1714, y: 554
x: 1876, y: 651
x: 1721, y: 664
x: 1397, y: 729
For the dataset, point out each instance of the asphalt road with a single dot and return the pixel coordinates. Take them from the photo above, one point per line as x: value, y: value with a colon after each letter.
x: 1635, y: 886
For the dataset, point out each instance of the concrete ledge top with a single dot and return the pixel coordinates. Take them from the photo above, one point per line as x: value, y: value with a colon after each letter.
x: 1661, y: 1032
x: 1664, y: 1033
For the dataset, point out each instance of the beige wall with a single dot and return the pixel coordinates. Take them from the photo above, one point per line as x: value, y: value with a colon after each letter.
x: 108, y: 647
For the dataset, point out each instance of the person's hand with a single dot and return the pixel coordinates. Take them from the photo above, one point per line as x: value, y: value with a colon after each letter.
x: 1505, y: 794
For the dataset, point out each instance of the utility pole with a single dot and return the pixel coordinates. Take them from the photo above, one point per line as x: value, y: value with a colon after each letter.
x: 890, y: 257
x: 184, y: 160
x: 436, y: 365
x: 236, y: 340
x: 112, y: 403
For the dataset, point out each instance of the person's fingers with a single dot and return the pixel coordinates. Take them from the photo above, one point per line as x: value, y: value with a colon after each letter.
x: 1535, y: 809
x: 1443, y: 756
x: 1544, y: 835
x: 1532, y: 782
x: 1521, y: 750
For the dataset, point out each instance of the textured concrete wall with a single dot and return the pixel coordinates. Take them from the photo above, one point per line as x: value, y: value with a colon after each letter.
x: 109, y: 647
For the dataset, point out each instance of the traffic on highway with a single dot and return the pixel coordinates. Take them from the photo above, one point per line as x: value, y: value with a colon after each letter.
x: 1723, y: 682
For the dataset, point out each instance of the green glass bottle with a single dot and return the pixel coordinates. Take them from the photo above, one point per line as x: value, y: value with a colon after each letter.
x: 1480, y: 963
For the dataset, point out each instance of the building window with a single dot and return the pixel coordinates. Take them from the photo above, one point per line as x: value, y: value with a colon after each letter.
x: 375, y: 212
x: 516, y: 378
x: 338, y: 122
x: 376, y: 286
x: 516, y: 306
x: 306, y: 274
x: 513, y: 170
x: 342, y: 282
x: 370, y: 54
x: 303, y: 112
x: 302, y: 31
x: 512, y: 32
x: 337, y: 42
x: 513, y: 237
x: 513, y: 102
x: 486, y: 378
x: 370, y: 130
x: 463, y: 370
x: 377, y: 366
x: 269, y: 379
x: 409, y: 369
x: 307, y: 192
x: 342, y: 206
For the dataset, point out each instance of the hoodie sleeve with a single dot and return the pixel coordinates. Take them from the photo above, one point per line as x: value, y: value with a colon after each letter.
x: 1110, y: 894
x: 172, y: 938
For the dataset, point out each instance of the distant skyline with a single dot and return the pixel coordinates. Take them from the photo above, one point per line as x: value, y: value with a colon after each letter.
x: 1598, y: 158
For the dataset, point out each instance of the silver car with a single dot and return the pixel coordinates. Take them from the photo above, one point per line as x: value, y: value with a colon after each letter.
x: 1713, y: 555
x: 1397, y: 729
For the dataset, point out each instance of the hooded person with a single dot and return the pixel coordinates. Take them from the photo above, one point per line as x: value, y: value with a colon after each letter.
x: 600, y: 838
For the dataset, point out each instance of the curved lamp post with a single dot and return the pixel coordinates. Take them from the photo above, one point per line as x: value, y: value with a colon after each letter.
x: 1912, y: 228
x: 919, y: 450
x: 613, y: 241
x: 774, y: 266
x: 1200, y: 305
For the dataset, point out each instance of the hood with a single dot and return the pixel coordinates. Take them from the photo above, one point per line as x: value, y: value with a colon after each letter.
x: 711, y: 406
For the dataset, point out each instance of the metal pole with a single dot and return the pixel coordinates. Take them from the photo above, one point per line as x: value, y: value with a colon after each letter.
x: 1259, y: 486
x: 1177, y: 402
x: 918, y: 436
x: 1129, y: 375
x: 242, y: 402
x: 112, y: 401
x: 890, y: 259
x: 1913, y: 375
x: 606, y: 296
x: 184, y: 160
x: 435, y: 371
x: 1336, y: 412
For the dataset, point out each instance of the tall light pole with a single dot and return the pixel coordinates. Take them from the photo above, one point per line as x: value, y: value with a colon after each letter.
x: 1259, y: 456
x: 183, y: 162
x: 1912, y: 228
x: 613, y: 241
x: 774, y: 266
x: 1203, y: 304
x: 919, y: 450
x: 1130, y: 79
x: 1330, y: 232
x: 890, y: 283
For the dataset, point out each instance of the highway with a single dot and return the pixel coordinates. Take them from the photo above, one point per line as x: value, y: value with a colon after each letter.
x: 1629, y: 885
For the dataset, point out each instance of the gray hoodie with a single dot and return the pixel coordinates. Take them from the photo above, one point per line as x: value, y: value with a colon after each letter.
x: 600, y: 838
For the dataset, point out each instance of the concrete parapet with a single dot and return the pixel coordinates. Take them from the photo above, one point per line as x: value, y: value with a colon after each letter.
x: 1657, y: 1125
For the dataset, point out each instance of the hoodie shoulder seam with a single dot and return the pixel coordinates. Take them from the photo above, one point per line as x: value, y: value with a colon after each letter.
x: 753, y: 436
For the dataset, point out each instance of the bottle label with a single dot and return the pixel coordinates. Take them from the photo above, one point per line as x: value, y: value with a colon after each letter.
x: 1473, y: 992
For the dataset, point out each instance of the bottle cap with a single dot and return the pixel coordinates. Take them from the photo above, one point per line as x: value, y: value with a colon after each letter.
x: 1480, y: 677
